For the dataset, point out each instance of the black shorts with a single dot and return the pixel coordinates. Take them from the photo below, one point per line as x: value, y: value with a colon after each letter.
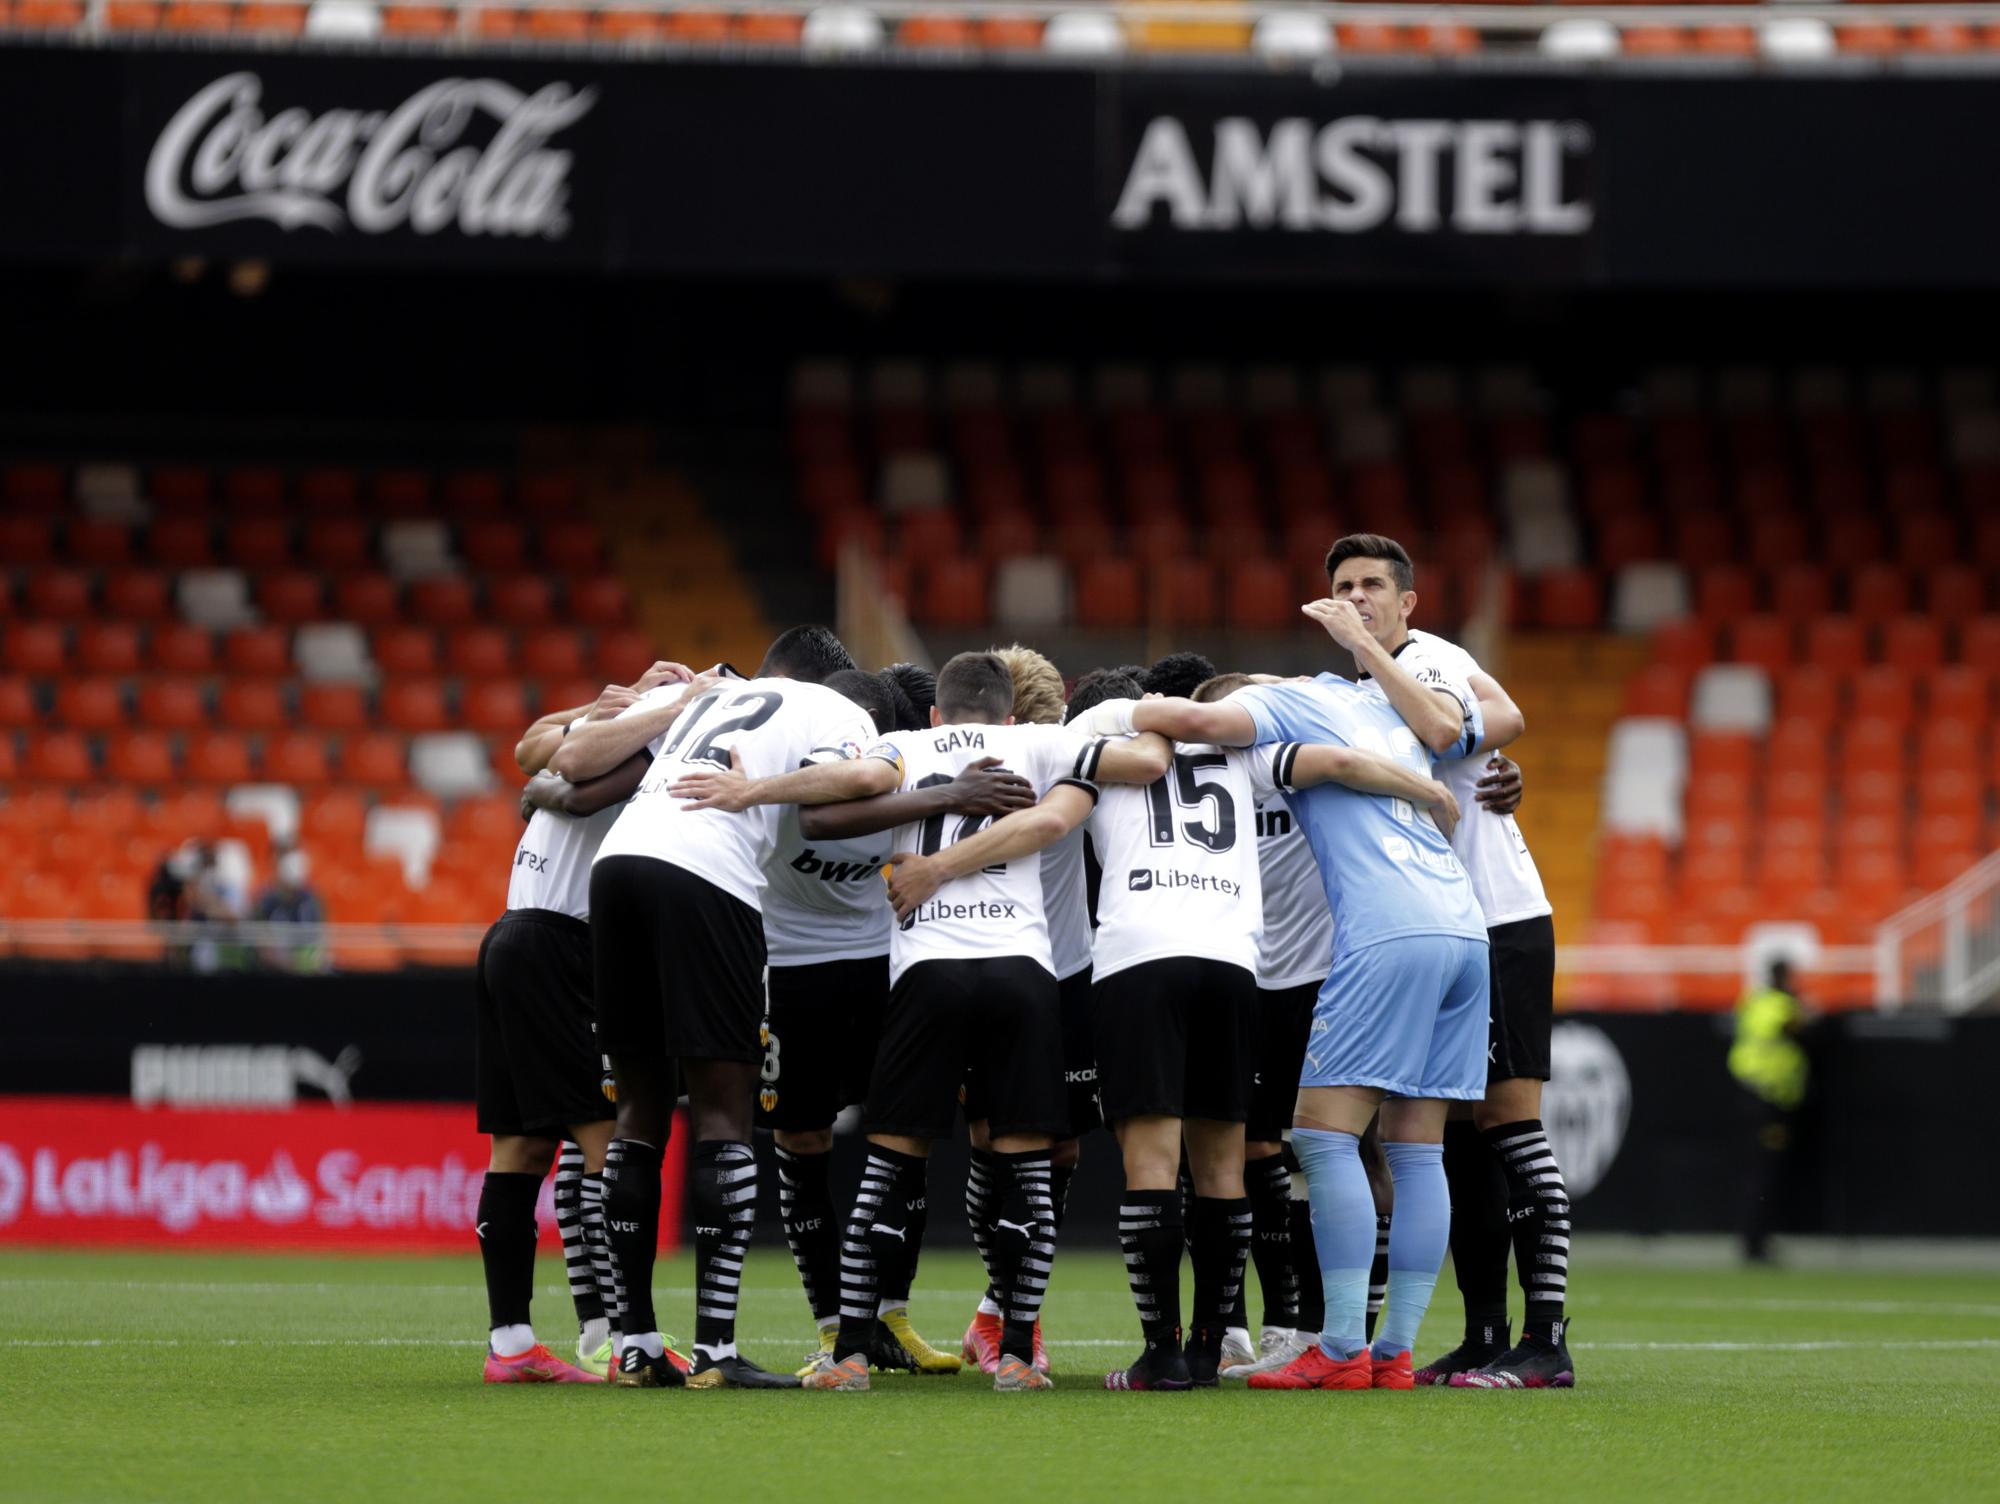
x: 821, y: 1026
x: 538, y: 1068
x: 995, y: 1025
x: 1284, y: 1023
x: 680, y: 964
x: 1079, y: 1060
x: 1175, y: 1037
x: 1524, y: 999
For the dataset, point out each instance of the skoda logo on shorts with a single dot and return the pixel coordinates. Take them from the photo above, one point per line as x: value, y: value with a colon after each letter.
x: 1587, y: 1103
x: 1139, y: 879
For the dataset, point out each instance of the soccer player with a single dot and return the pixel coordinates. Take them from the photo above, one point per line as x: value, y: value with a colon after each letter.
x: 1505, y: 1182
x: 826, y: 931
x: 1401, y: 1016
x: 679, y: 939
x: 972, y: 992
x: 1039, y: 700
x: 539, y: 1078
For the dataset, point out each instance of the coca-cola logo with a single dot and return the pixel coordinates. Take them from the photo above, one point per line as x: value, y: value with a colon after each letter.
x: 421, y: 166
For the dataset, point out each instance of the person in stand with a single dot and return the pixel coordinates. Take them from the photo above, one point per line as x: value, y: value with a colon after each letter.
x: 290, y: 899
x: 1769, y: 1063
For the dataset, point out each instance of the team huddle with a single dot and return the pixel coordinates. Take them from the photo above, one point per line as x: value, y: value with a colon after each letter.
x: 1282, y: 937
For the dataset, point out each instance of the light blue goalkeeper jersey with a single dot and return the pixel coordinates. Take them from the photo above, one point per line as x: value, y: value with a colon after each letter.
x: 1387, y: 868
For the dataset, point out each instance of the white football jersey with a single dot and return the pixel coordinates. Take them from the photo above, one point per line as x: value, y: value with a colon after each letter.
x: 1490, y: 847
x: 825, y: 900
x: 1067, y: 902
x: 776, y: 726
x: 1180, y: 862
x: 552, y: 861
x: 1296, y: 947
x: 997, y: 911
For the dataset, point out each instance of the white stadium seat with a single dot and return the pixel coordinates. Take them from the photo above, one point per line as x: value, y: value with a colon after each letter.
x: 450, y: 764
x: 333, y: 652
x: 1031, y: 593
x: 214, y: 598
x: 409, y: 833
x: 276, y: 804
x: 1732, y: 697
x: 1646, y: 595
x: 915, y: 482
x: 1292, y: 33
x: 1579, y: 39
x: 413, y: 549
x: 1084, y: 33
x: 834, y: 29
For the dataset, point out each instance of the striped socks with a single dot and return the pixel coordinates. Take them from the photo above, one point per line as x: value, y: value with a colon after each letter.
x: 724, y: 1184
x: 1538, y: 1216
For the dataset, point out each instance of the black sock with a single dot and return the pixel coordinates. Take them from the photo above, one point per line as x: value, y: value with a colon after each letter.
x: 1024, y: 1248
x: 982, y: 1205
x: 1269, y: 1183
x: 1150, y: 1232
x: 1538, y: 1214
x: 597, y: 1238
x: 1219, y: 1233
x: 506, y: 1231
x: 724, y: 1195
x: 1060, y: 1177
x: 877, y: 1243
x: 575, y: 1245
x: 1478, y: 1229
x: 1378, y: 1275
x: 897, y: 1277
x: 805, y: 1201
x: 632, y: 1224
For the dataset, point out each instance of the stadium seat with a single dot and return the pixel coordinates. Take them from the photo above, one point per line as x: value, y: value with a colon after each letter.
x: 328, y: 490
x: 90, y: 704
x: 494, y: 707
x: 252, y: 704
x: 622, y: 654
x: 1108, y: 592
x: 1885, y: 691
x: 1800, y: 592
x: 217, y: 598
x: 1838, y: 643
x: 27, y: 540
x: 374, y: 759
x: 335, y: 543
x: 552, y: 653
x: 1959, y: 693
x: 332, y: 651
x: 404, y: 650
x: 1732, y: 697
x: 297, y: 758
x: 108, y: 648
x: 1159, y: 538
x: 1979, y: 643
x: 414, y: 705
x: 176, y: 648
x: 1764, y: 642
x: 1914, y: 644
x: 494, y: 546
x: 219, y: 757
x: 18, y: 709
x: 521, y: 600
x: 272, y: 806
x: 442, y: 600
x: 599, y: 602
x: 1851, y: 541
x: 145, y: 758
x: 289, y: 595
x: 403, y: 493
x: 1645, y: 595
x: 97, y: 541
x: 366, y: 598
x: 407, y: 834
x: 952, y: 593
x: 1953, y: 593
x: 576, y: 547
x: 255, y: 650
x: 416, y: 547
x: 334, y: 707
x: 57, y: 594
x: 450, y: 764
x: 1878, y: 592
x: 137, y: 593
x: 172, y: 704
x: 1183, y: 594
x: 479, y: 652
x: 180, y: 543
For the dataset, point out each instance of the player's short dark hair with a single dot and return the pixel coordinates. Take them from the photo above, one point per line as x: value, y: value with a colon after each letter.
x: 1099, y: 685
x: 1176, y: 675
x: 976, y: 687
x: 1779, y: 974
x: 915, y: 689
x: 1133, y: 671
x: 1221, y: 687
x: 808, y: 654
x: 1373, y: 546
x: 872, y: 693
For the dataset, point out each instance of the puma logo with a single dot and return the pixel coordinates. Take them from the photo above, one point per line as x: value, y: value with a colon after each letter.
x: 1025, y: 1229
x: 889, y: 1232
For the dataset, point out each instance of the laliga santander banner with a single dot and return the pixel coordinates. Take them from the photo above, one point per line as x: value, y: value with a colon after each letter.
x: 375, y: 1177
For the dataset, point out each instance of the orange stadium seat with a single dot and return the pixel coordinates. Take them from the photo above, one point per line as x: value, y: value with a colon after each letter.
x: 132, y: 15
x: 36, y: 647
x: 1687, y: 645
x: 180, y: 543
x: 178, y: 648
x: 1979, y: 643
x: 97, y: 541
x: 548, y: 493
x: 106, y: 813
x: 520, y: 600
x: 253, y: 704
x: 272, y: 19
x: 1851, y: 540
x: 197, y: 15
x: 1838, y: 643
x: 404, y: 650
x: 1878, y: 592
x: 328, y: 490
x: 91, y: 704
x: 1776, y: 538
x: 1954, y: 592
x: 494, y: 546
x: 17, y: 705
x: 1800, y: 592
x: 1108, y: 592
x: 177, y: 814
x: 443, y: 600
x: 1256, y: 597
x: 479, y: 652
x: 335, y: 543
x: 931, y: 533
x: 601, y: 602
x: 367, y: 597
x: 1008, y: 534
x: 577, y: 547
x: 1632, y: 538
x: 1073, y: 485
x: 374, y: 758
x: 474, y: 493
x: 1810, y: 694
x: 289, y: 595
x: 833, y: 484
x: 1658, y: 690
x: 1885, y: 691
x: 1763, y: 641
x: 953, y: 593
x: 108, y: 648
x: 400, y: 493
x: 59, y: 594
x: 414, y: 705
x: 172, y: 704
x: 552, y: 653
x: 38, y: 488
x: 417, y: 20
x: 1959, y: 693
x: 254, y: 490
x: 257, y: 650
x: 1157, y: 539
x: 1568, y: 599
x: 141, y: 757
x: 334, y: 707
x: 623, y: 653
x: 219, y: 757
x: 1926, y: 540
x: 496, y: 707
x: 137, y: 593
x: 297, y: 757
x: 27, y: 540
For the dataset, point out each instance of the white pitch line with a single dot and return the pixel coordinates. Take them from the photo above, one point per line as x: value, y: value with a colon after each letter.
x: 1832, y: 1345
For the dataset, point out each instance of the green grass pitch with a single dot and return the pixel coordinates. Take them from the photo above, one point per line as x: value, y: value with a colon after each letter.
x: 168, y: 1377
